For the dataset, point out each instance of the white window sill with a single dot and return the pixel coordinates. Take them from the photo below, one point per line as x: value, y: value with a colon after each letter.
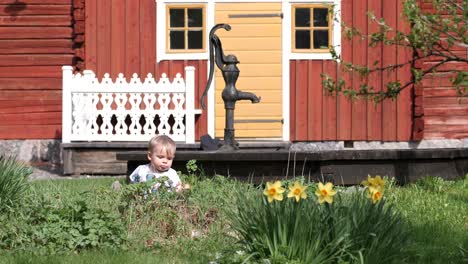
x: 310, y: 56
x: 182, y: 56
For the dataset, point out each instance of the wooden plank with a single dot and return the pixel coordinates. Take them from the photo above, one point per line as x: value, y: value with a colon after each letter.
x: 446, y: 120
x: 7, y: 10
x: 259, y: 70
x: 201, y: 122
x: 292, y: 100
x: 258, y: 83
x: 103, y: 38
x: 440, y: 92
x: 118, y: 37
x: 91, y: 35
x: 302, y: 67
x: 374, y: 111
x: 448, y: 110
x: 148, y: 39
x: 268, y: 96
x: 132, y: 40
x: 445, y: 101
x: 36, y: 2
x: 35, y: 60
x: 251, y: 133
x: 404, y: 102
x: 389, y: 111
x: 176, y: 67
x: 60, y: 20
x: 162, y: 67
x: 49, y: 118
x: 257, y: 44
x: 260, y: 110
x: 30, y: 83
x: 17, y: 109
x: 249, y: 56
x: 445, y: 128
x: 329, y: 105
x: 30, y: 95
x: 38, y: 50
x: 36, y: 43
x: 344, y: 109
x: 438, y: 80
x: 251, y: 31
x: 31, y: 103
x: 224, y: 16
x: 359, y: 107
x: 250, y: 7
x: 31, y: 131
x: 315, y: 121
x: 36, y: 32
x: 31, y: 71
x: 445, y: 135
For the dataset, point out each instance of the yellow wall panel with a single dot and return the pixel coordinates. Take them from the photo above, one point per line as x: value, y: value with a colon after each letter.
x: 256, y: 42
x: 252, y: 133
x: 244, y: 31
x: 271, y: 96
x: 246, y: 57
x: 248, y: 7
x: 252, y: 44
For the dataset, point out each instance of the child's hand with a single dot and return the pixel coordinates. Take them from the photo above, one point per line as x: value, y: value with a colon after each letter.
x: 179, y: 187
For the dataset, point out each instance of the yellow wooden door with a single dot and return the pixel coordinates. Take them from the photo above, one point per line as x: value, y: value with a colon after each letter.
x: 255, y: 38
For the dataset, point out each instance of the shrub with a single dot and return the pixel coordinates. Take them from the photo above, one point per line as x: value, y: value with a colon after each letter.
x: 13, y: 181
x: 46, y: 226
x: 318, y: 227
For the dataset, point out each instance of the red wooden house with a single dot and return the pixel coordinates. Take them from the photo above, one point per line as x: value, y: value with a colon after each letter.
x: 282, y: 47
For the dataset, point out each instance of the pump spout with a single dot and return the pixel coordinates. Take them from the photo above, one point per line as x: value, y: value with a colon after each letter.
x: 248, y: 96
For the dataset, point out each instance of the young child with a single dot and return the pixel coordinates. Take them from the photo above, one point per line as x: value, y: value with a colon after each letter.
x: 161, y: 152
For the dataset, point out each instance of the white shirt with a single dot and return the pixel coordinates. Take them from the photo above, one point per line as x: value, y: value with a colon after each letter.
x: 141, y: 173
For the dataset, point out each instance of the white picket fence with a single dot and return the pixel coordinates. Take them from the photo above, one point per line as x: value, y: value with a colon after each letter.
x: 127, y: 111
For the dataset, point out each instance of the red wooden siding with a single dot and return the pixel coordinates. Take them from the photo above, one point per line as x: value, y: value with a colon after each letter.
x: 35, y: 41
x: 439, y: 111
x: 121, y: 37
x: 317, y: 116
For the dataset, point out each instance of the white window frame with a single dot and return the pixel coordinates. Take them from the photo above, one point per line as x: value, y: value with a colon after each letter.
x: 336, y: 34
x: 161, y: 34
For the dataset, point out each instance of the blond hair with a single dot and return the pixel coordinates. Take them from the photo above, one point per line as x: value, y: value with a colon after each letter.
x: 166, y: 143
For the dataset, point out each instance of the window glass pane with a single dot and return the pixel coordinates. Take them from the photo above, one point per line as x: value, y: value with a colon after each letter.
x: 177, y: 39
x: 302, y: 39
x: 302, y: 17
x: 176, y: 17
x: 195, y: 17
x: 195, y: 39
x: 320, y: 39
x: 320, y: 17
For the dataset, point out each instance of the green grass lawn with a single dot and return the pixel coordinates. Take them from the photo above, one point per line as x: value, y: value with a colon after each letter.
x: 436, y: 210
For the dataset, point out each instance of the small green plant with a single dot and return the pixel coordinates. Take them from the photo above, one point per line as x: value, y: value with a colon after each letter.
x: 192, y: 166
x: 13, y: 181
x: 431, y: 183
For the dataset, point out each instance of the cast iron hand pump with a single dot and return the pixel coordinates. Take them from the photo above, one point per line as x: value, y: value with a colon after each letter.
x: 228, y: 66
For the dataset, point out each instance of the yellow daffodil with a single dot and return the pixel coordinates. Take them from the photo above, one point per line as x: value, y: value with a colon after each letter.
x: 375, y: 195
x: 297, y: 190
x: 325, y: 192
x: 274, y: 191
x: 376, y: 183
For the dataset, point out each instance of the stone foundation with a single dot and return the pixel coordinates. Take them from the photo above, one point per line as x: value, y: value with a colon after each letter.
x: 34, y: 152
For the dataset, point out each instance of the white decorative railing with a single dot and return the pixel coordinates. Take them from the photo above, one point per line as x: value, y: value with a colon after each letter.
x: 127, y: 111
